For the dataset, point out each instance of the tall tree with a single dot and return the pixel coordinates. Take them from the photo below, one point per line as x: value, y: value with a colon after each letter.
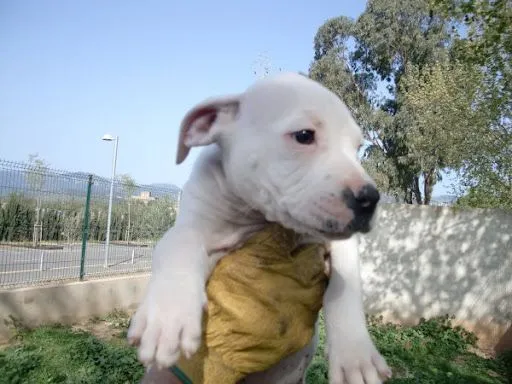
x: 445, y: 117
x: 36, y: 179
x: 129, y: 187
x: 263, y: 66
x: 364, y: 61
x: 482, y: 37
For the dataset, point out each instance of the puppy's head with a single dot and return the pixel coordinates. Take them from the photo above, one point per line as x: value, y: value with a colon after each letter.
x: 289, y: 148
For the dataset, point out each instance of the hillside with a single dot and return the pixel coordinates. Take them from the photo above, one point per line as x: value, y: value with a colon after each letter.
x: 72, y: 184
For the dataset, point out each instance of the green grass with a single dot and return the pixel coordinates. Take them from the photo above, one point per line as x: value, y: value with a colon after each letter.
x: 431, y: 352
x: 59, y: 354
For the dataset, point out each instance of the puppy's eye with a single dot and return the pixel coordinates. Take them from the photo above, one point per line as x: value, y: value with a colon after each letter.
x: 305, y: 137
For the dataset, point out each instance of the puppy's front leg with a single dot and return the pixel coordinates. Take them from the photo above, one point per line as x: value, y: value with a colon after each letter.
x: 353, y: 357
x: 168, y: 321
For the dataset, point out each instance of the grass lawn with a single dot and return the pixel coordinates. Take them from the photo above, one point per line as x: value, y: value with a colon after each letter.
x: 96, y: 352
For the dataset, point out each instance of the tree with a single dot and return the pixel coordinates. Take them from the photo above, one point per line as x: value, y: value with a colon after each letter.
x: 445, y: 116
x: 129, y: 187
x: 486, y: 35
x: 16, y: 218
x: 72, y: 222
x: 36, y: 178
x: 486, y: 42
x: 263, y: 66
x: 364, y: 61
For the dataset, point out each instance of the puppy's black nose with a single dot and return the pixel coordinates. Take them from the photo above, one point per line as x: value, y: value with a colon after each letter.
x: 363, y: 205
x: 364, y: 202
x: 367, y: 199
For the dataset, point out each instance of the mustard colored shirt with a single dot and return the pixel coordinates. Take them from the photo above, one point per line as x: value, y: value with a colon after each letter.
x: 263, y: 302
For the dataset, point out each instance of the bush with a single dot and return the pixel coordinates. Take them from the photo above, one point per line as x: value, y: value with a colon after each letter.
x: 62, y: 220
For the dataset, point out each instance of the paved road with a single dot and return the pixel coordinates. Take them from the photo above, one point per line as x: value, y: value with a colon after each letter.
x: 25, y: 266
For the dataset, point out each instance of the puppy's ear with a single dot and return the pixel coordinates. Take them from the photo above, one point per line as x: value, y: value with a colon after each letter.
x: 203, y: 123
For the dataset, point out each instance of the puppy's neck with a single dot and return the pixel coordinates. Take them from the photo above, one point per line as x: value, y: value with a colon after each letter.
x: 209, y: 203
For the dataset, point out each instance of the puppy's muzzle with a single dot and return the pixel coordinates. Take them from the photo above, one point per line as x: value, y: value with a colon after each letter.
x: 363, y: 204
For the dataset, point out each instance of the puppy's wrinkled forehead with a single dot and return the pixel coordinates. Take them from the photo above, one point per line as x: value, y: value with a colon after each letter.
x: 282, y: 96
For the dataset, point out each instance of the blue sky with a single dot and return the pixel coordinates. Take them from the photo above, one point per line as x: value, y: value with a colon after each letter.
x: 71, y: 71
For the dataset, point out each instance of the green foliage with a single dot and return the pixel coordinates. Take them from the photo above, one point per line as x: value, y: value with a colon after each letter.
x: 62, y: 220
x: 438, y: 107
x: 432, y: 352
x: 128, y: 184
x: 363, y: 61
x: 444, y: 115
x: 129, y: 187
x: 486, y: 176
x: 62, y: 355
x: 487, y: 34
x: 428, y: 99
x: 16, y: 219
x: 37, y: 177
x: 486, y: 195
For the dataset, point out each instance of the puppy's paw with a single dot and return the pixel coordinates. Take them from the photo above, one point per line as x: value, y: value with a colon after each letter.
x: 355, y: 360
x: 168, y: 324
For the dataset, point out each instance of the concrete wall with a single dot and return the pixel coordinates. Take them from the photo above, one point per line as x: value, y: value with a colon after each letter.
x: 428, y: 261
x: 418, y: 262
x: 68, y: 303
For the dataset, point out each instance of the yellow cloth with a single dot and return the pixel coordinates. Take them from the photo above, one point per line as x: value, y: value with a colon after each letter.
x: 263, y: 302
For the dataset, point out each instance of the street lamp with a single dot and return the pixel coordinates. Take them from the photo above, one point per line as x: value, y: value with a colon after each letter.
x: 115, y: 139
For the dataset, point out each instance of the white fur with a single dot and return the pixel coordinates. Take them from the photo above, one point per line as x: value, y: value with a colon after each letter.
x: 253, y: 171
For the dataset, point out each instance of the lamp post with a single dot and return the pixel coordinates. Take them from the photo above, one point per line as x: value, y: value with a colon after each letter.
x: 115, y: 139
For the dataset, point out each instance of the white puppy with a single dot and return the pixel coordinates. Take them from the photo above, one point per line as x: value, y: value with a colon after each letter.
x: 283, y: 151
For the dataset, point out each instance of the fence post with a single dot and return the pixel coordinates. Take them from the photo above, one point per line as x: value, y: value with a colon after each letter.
x: 41, y: 261
x: 85, y: 227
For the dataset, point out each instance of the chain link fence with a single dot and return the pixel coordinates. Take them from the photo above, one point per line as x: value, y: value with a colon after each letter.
x: 53, y: 224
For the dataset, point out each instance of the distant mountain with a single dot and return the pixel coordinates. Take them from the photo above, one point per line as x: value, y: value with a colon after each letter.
x: 16, y: 178
x: 84, y: 176
x: 165, y: 186
x: 443, y: 200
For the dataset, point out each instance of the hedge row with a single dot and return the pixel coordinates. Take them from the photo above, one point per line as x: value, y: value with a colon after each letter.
x: 63, y: 220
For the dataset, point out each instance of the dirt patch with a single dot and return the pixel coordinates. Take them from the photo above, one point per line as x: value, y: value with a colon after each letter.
x: 113, y: 325
x: 101, y: 329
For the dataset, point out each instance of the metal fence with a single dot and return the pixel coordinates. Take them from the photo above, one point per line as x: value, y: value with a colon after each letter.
x: 53, y: 224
